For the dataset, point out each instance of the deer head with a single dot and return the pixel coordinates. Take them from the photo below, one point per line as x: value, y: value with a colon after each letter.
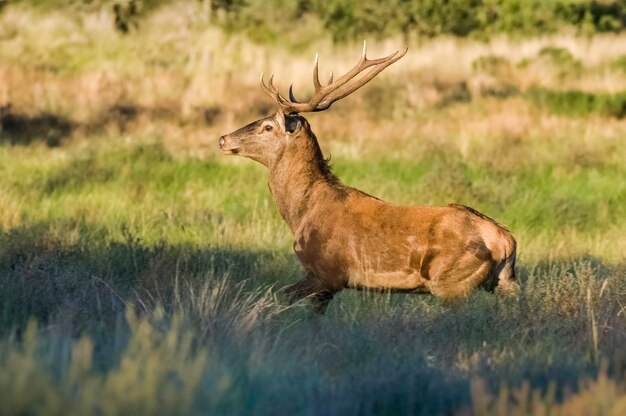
x: 267, y: 139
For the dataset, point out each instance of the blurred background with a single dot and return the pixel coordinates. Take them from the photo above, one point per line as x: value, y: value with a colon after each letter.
x: 139, y: 266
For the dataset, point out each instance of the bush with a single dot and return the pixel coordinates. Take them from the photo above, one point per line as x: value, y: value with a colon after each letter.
x: 491, y: 64
x: 350, y: 18
x: 557, y: 59
x: 560, y: 58
x: 619, y: 64
x: 354, y: 19
x: 557, y: 55
x: 601, y: 16
x: 519, y: 16
x: 265, y: 21
x: 578, y: 103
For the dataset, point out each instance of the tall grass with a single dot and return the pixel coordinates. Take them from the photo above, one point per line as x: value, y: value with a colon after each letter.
x: 206, y: 344
x: 140, y: 270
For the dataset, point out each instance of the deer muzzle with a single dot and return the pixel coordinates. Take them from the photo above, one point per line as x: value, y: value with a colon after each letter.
x: 228, y: 146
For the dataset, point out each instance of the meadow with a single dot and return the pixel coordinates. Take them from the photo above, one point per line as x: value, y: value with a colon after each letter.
x: 140, y: 268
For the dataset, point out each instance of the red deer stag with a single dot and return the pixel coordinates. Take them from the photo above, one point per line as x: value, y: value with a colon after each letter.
x: 346, y: 238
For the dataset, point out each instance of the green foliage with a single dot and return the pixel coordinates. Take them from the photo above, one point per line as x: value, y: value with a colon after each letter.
x: 539, y: 16
x: 349, y: 19
x: 352, y: 19
x: 561, y: 60
x: 595, y: 16
x: 558, y: 60
x: 559, y: 56
x: 492, y: 65
x: 520, y: 16
x: 90, y: 4
x: 266, y: 21
x: 579, y: 103
x: 619, y: 64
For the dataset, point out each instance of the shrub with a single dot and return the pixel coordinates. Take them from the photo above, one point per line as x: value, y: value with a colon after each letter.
x: 350, y: 19
x: 619, y: 64
x: 600, y: 16
x: 579, y: 103
x: 491, y: 64
x: 560, y: 58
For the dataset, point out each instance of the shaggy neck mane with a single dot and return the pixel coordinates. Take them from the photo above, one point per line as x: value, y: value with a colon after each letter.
x: 323, y: 164
x: 297, y: 178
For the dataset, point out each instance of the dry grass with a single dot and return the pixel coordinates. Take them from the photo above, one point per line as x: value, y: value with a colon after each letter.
x: 81, y: 68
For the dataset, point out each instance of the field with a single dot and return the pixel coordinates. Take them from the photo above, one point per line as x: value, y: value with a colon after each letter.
x: 140, y: 268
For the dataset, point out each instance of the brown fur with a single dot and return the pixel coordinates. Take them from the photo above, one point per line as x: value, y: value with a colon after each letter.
x: 345, y: 238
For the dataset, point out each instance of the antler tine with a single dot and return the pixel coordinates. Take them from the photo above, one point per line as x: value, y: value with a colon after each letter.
x: 273, y: 92
x: 340, y: 93
x: 316, y: 77
x: 282, y: 100
x: 325, y: 95
x: 363, y: 64
x: 271, y: 84
x: 291, y: 96
x: 265, y: 88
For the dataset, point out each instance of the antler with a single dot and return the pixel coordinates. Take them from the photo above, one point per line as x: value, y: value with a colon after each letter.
x: 325, y: 95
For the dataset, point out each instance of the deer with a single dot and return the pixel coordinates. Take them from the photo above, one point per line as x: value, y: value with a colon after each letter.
x: 346, y: 238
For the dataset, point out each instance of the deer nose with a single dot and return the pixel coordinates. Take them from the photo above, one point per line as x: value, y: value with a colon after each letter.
x: 222, y: 141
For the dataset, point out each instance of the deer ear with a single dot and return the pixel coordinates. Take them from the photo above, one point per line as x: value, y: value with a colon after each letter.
x: 293, y: 124
x: 280, y: 119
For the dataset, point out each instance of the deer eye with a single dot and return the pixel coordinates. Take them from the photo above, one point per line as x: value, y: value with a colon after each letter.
x: 268, y: 128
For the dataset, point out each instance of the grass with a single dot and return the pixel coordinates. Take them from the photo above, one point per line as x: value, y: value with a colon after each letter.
x: 140, y: 269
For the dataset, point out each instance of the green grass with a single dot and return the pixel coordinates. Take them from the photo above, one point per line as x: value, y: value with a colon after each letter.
x: 143, y: 187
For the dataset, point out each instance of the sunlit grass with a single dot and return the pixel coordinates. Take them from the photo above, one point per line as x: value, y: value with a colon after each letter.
x: 178, y: 198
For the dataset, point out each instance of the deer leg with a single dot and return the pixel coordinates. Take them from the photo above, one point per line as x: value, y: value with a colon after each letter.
x: 320, y: 301
x: 300, y: 290
x: 310, y: 286
x: 457, y: 283
x: 507, y: 282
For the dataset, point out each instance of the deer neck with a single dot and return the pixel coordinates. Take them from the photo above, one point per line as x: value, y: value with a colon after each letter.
x: 295, y: 179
